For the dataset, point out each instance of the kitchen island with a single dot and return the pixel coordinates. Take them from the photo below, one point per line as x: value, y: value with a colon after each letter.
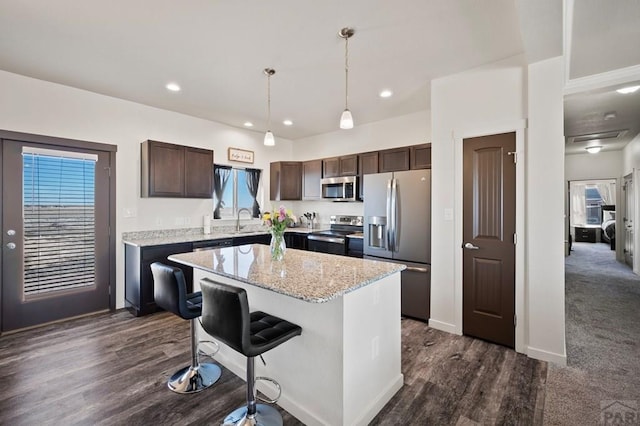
x: 346, y: 364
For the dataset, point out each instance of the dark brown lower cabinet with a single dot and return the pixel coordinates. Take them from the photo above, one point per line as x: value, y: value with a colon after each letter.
x: 138, y: 280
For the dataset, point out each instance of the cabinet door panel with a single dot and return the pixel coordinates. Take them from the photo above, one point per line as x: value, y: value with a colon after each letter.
x: 420, y: 156
x: 166, y: 170
x: 198, y: 173
x: 331, y: 167
x: 311, y: 175
x: 394, y: 160
x: 349, y: 165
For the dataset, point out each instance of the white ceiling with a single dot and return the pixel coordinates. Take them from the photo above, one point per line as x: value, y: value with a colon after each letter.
x: 216, y: 50
x: 605, y: 36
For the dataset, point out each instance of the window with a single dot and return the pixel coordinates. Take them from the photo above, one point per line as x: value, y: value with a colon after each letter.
x: 59, y: 220
x: 235, y: 189
x: 587, y: 199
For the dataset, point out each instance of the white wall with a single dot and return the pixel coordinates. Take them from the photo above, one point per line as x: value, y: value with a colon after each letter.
x: 411, y: 129
x: 478, y: 98
x: 494, y: 99
x: 603, y: 165
x: 545, y: 211
x: 631, y: 156
x: 34, y: 106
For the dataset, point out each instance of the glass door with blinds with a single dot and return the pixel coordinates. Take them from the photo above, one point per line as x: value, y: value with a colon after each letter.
x: 56, y: 233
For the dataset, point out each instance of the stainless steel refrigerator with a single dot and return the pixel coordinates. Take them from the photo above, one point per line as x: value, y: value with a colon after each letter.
x: 397, y: 228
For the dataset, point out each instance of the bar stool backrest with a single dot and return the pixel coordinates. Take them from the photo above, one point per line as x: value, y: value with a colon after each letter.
x: 225, y: 314
x: 170, y: 290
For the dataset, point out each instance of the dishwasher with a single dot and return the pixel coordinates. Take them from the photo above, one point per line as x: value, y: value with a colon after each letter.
x: 212, y: 244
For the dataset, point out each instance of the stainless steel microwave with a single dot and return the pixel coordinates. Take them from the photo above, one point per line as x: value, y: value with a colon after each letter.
x: 340, y: 188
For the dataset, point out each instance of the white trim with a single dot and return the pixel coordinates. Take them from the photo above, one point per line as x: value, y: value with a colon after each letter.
x: 567, y: 35
x: 443, y: 326
x: 602, y: 80
x: 58, y: 153
x: 559, y: 359
x: 519, y: 127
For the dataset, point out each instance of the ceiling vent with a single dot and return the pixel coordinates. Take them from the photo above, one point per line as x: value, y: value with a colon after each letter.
x: 604, y: 136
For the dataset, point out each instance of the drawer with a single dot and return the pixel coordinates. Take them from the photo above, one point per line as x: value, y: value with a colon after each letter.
x: 585, y: 235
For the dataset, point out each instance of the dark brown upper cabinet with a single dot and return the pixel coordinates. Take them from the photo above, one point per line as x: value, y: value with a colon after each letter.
x: 311, y: 175
x: 169, y: 170
x: 420, y: 156
x: 331, y: 167
x: 394, y: 160
x: 368, y: 162
x: 349, y: 165
x: 285, y: 181
x: 346, y: 165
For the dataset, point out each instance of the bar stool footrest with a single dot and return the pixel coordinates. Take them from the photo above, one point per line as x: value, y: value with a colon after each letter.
x: 276, y: 384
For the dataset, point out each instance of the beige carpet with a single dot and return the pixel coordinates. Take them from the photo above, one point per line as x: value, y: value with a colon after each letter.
x: 603, y: 338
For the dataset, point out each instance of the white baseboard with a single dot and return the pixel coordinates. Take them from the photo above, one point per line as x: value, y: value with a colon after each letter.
x: 377, y: 404
x: 443, y: 326
x: 560, y: 359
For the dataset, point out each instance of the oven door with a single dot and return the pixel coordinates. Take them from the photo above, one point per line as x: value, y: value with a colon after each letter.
x: 325, y: 244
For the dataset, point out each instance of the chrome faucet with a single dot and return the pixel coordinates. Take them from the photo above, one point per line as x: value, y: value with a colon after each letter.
x: 238, y: 218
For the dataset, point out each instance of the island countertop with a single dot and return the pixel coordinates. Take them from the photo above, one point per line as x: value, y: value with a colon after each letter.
x: 309, y: 276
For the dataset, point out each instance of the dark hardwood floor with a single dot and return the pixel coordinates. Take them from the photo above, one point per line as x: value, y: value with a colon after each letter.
x: 111, y: 369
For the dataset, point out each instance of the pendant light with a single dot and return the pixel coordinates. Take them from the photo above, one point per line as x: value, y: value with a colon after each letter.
x: 346, y: 120
x: 268, y: 137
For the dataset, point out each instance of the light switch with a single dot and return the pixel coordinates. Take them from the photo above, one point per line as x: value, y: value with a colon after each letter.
x: 129, y: 212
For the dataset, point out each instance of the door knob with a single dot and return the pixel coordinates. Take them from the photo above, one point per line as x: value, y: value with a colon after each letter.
x: 11, y: 246
x: 470, y: 246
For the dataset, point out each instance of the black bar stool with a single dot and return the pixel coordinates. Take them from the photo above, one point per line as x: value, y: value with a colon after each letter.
x: 225, y: 316
x: 170, y: 292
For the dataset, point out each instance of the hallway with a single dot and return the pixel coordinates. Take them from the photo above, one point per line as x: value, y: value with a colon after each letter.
x: 603, y: 338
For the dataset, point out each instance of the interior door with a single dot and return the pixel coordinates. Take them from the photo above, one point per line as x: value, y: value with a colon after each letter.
x: 55, y: 227
x: 488, y: 238
x: 628, y: 219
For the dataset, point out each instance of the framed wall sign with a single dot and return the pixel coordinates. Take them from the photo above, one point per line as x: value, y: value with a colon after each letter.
x: 240, y: 155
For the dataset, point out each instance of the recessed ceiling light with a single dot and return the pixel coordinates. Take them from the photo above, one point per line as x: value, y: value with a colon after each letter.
x: 287, y: 123
x: 627, y: 90
x: 173, y: 87
x: 593, y: 149
x: 610, y: 115
x: 386, y: 93
x: 248, y: 124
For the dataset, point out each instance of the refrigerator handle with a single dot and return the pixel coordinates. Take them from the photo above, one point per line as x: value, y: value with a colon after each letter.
x: 394, y: 212
x: 389, y: 224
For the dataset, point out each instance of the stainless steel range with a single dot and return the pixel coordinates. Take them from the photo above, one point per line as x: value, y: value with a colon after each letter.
x: 334, y: 240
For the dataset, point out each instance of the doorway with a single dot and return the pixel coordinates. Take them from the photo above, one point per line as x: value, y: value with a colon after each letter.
x: 489, y: 226
x: 57, y: 212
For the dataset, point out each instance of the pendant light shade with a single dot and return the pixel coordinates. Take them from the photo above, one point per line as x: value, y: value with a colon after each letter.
x: 346, y: 119
x: 269, y: 140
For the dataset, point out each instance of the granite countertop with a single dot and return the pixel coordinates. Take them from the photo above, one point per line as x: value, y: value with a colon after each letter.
x: 309, y: 276
x: 158, y: 238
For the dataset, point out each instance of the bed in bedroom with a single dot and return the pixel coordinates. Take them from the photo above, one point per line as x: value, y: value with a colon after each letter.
x: 609, y: 225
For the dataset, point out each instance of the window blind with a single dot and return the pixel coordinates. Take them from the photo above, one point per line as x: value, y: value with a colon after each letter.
x: 58, y: 220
